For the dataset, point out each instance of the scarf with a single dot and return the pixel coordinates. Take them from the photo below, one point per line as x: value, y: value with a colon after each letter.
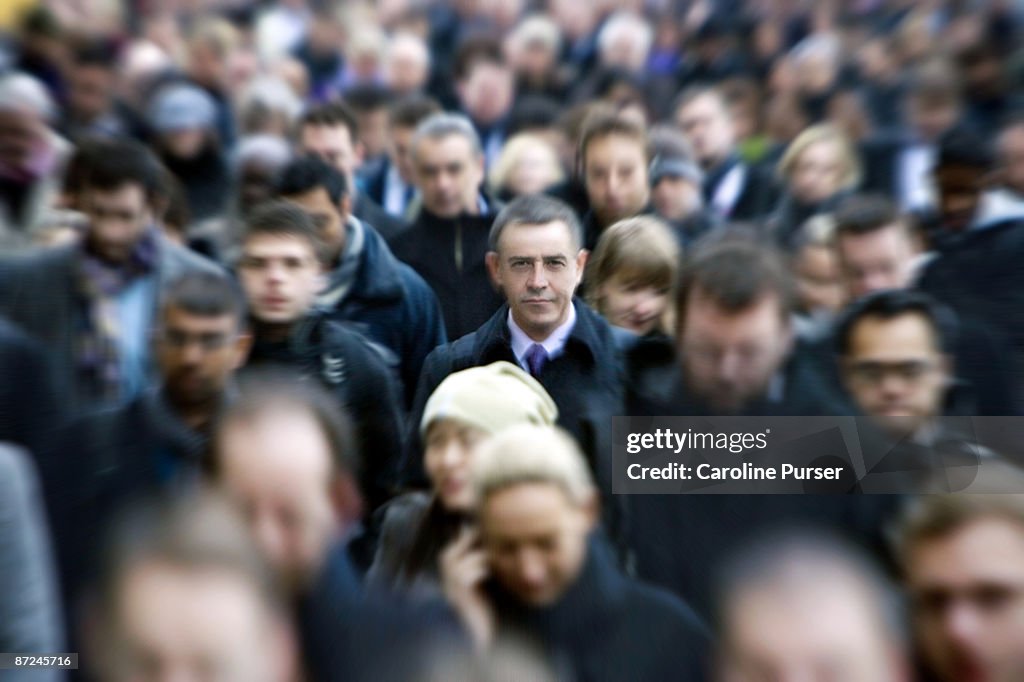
x: 100, y: 284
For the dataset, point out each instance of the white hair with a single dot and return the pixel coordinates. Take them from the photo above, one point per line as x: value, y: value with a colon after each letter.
x: 22, y: 92
x: 528, y: 453
x: 627, y: 25
x: 274, y: 94
x: 410, y: 44
x: 537, y: 28
x: 269, y: 149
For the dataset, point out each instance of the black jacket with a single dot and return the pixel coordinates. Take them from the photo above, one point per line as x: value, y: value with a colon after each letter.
x: 349, y: 636
x: 371, y: 213
x: 681, y: 541
x: 344, y: 362
x: 609, y: 627
x: 757, y: 196
x: 390, y: 304
x: 979, y: 275
x: 586, y: 382
x: 449, y: 255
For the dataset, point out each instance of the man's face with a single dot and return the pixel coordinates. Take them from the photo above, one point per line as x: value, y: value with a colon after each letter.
x: 818, y: 632
x: 198, y: 354
x: 20, y: 134
x: 281, y: 277
x: 875, y: 261
x: 535, y: 539
x: 676, y: 198
x: 633, y: 304
x: 817, y: 173
x: 117, y: 219
x: 193, y: 625
x: 333, y: 144
x: 538, y: 267
x: 729, y: 358
x: 373, y: 132
x: 89, y: 91
x: 960, y: 189
x: 1011, y: 157
x: 400, y: 152
x: 705, y: 121
x: 931, y: 119
x: 486, y: 93
x: 448, y: 456
x: 255, y: 185
x: 967, y: 591
x: 327, y: 216
x: 448, y: 173
x: 615, y: 172
x: 895, y: 373
x: 278, y: 469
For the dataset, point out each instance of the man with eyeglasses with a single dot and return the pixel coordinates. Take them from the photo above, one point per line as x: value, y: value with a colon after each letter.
x: 154, y: 443
x: 894, y: 355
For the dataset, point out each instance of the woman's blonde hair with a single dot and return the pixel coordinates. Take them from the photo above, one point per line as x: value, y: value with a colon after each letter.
x: 823, y: 133
x: 512, y: 152
x: 640, y: 250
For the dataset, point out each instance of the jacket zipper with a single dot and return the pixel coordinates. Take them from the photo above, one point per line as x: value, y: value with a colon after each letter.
x: 458, y: 246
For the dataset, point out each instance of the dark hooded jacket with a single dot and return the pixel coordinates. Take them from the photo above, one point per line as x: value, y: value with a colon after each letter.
x: 607, y: 626
x: 387, y: 302
x: 449, y: 254
x: 347, y: 365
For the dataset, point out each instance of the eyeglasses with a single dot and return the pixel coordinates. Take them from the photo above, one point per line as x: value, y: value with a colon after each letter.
x: 874, y: 373
x: 207, y: 342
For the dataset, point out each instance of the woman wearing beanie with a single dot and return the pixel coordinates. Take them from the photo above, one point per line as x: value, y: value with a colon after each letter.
x: 466, y: 408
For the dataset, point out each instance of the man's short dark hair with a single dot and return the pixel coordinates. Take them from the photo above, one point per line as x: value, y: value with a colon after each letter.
x: 309, y: 172
x: 273, y: 390
x: 476, y: 50
x: 735, y: 273
x: 536, y: 209
x: 891, y: 304
x: 332, y: 114
x: 533, y: 112
x: 963, y: 148
x: 281, y: 218
x: 367, y: 97
x: 603, y: 124
x: 110, y: 164
x: 411, y: 110
x: 206, y: 294
x: 864, y: 214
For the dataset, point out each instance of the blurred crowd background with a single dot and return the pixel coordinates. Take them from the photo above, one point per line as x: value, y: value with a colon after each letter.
x: 315, y: 314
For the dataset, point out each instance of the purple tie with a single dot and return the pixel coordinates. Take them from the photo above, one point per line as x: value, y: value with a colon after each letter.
x: 536, y: 356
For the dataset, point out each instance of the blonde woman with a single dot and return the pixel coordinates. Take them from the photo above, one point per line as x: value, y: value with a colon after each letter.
x: 819, y: 168
x: 528, y: 164
x: 631, y: 273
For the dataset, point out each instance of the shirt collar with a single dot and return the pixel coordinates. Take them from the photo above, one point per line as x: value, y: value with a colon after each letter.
x: 554, y: 344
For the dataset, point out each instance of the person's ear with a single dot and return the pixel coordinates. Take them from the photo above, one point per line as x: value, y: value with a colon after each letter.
x: 345, y: 205
x: 592, y: 510
x: 581, y: 264
x: 243, y: 344
x: 493, y: 268
x: 359, y: 149
x: 948, y: 366
x: 346, y: 500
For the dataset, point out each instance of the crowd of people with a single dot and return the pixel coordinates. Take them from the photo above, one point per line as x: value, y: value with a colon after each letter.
x: 315, y: 316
